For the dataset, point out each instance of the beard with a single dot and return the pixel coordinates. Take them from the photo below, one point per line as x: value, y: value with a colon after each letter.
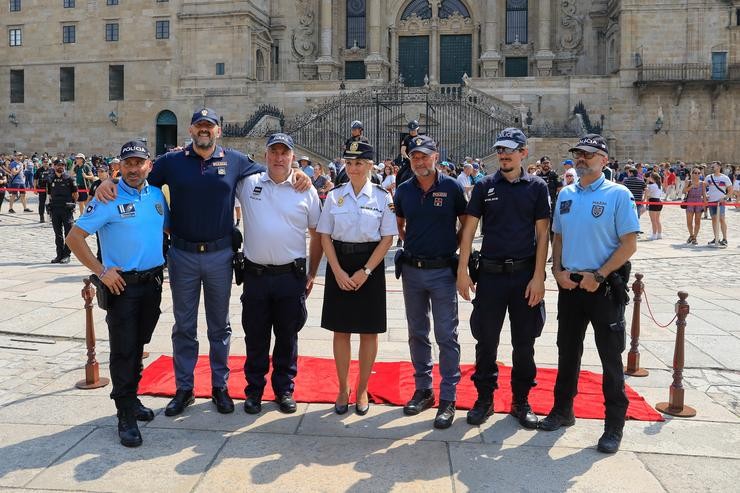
x: 582, y: 172
x: 203, y: 141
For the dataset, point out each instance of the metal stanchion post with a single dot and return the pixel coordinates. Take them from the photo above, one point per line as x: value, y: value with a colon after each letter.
x: 92, y: 379
x: 633, y: 357
x: 675, y: 405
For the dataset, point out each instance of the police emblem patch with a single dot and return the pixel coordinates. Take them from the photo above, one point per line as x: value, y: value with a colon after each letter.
x: 257, y: 191
x: 391, y: 207
x: 160, y: 209
x: 353, y: 146
x: 565, y: 206
x: 127, y: 210
x: 90, y: 207
x: 419, y: 141
x: 597, y: 210
x: 204, y: 112
x: 438, y: 202
x: 340, y: 201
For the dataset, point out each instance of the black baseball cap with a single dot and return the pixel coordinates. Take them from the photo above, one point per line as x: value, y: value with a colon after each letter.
x: 280, y: 138
x: 591, y: 143
x: 205, y: 114
x: 511, y: 137
x: 422, y: 143
x: 359, y: 150
x: 134, y: 148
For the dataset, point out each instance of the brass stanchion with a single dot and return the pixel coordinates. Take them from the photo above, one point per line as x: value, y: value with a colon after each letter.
x: 92, y: 379
x: 675, y: 405
x: 633, y: 357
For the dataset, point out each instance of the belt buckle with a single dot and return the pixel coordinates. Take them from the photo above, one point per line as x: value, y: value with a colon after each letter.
x: 419, y: 264
x: 202, y: 247
x: 509, y: 265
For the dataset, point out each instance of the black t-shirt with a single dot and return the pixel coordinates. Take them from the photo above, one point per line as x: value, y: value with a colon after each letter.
x: 42, y: 176
x: 95, y: 186
x: 60, y: 189
x: 553, y: 183
x: 406, y: 142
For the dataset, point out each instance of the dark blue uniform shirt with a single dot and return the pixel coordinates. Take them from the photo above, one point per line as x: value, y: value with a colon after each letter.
x: 202, y: 192
x: 431, y: 217
x: 509, y: 212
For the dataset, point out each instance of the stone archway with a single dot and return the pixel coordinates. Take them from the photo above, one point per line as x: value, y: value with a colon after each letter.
x: 166, y: 131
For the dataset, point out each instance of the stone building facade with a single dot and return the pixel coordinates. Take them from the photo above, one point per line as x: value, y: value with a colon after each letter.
x: 659, y: 78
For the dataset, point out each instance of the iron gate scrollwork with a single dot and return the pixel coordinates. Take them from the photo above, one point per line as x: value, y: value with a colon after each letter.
x: 463, y: 123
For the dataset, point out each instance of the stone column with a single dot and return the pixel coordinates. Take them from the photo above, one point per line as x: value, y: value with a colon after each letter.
x: 491, y: 58
x: 544, y: 55
x: 394, y: 54
x: 375, y: 62
x: 327, y: 66
x: 434, y: 54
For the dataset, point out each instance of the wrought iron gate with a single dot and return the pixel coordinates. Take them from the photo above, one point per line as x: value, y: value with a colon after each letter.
x: 464, y: 123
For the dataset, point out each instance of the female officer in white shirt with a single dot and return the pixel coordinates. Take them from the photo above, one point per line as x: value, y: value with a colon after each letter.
x: 357, y: 227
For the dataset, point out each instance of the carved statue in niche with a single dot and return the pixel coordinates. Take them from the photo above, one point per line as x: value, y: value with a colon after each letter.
x: 302, y: 39
x: 571, y: 34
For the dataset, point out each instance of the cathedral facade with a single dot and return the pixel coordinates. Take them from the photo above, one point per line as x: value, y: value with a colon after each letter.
x: 659, y: 78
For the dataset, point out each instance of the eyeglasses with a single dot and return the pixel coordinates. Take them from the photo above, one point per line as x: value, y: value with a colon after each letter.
x: 695, y: 173
x: 507, y: 150
x: 586, y: 155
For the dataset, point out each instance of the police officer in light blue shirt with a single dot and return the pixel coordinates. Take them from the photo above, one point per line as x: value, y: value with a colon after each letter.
x: 130, y: 230
x: 595, y: 225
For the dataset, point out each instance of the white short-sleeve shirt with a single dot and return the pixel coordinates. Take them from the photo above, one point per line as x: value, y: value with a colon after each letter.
x: 359, y: 218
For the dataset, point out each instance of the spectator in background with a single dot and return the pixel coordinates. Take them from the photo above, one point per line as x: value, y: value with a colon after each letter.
x: 17, y: 181
x: 695, y: 191
x: 670, y: 180
x: 636, y: 185
x: 719, y: 187
x: 654, y: 194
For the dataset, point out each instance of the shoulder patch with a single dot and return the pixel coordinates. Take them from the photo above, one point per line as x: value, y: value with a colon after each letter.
x: 90, y: 208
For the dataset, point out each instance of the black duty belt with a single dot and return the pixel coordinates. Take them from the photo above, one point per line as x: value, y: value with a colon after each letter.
x: 259, y: 269
x: 143, y: 276
x: 506, y: 266
x: 350, y: 248
x: 428, y: 263
x: 201, y: 247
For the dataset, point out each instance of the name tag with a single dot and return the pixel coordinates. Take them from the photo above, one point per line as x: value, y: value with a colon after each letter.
x: 219, y: 164
x: 127, y: 210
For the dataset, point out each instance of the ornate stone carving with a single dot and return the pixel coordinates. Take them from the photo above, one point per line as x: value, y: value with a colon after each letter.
x: 414, y: 23
x: 571, y: 34
x: 302, y: 39
x: 456, y: 22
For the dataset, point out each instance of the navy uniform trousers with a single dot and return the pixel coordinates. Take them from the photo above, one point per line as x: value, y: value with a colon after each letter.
x: 272, y: 302
x: 131, y: 319
x: 576, y: 308
x: 495, y: 294
x: 62, y: 222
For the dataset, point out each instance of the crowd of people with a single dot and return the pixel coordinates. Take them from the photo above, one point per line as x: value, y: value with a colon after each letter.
x: 351, y: 209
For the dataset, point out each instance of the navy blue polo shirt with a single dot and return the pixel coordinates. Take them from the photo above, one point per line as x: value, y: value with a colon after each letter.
x: 509, y: 211
x: 202, y: 192
x: 431, y: 217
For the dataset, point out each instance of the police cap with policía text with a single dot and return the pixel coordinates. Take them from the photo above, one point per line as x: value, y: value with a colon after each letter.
x: 134, y: 148
x: 591, y: 143
x: 280, y: 138
x: 511, y: 137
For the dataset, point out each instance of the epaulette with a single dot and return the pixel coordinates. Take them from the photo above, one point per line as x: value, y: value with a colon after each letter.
x: 338, y: 186
x: 381, y: 188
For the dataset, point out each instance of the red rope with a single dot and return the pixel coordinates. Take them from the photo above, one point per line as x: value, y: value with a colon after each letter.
x: 647, y: 302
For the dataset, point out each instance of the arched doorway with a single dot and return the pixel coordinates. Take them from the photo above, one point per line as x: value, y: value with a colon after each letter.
x: 166, y: 131
x: 435, y: 42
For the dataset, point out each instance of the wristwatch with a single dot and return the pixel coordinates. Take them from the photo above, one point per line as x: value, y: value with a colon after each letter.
x: 366, y: 270
x: 598, y: 277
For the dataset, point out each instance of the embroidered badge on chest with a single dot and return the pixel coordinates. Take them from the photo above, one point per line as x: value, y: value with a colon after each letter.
x: 127, y: 210
x: 597, y: 210
x: 565, y: 206
x: 438, y: 202
x: 160, y: 208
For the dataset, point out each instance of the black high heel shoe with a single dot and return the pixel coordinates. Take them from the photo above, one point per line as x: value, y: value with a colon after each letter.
x: 362, y: 410
x: 342, y: 408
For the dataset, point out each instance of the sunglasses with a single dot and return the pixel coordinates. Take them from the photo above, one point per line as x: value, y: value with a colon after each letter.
x: 506, y: 150
x: 586, y: 155
x: 695, y: 173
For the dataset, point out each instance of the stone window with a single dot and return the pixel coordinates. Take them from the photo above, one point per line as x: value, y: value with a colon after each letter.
x: 737, y: 17
x: 17, y: 89
x: 68, y: 34
x: 448, y: 8
x: 69, y: 4
x: 355, y: 23
x: 15, y: 36
x: 111, y: 31
x: 66, y: 84
x: 15, y: 5
x: 517, y: 12
x: 275, y: 60
x: 111, y: 2
x: 220, y: 68
x: 354, y: 70
x: 115, y: 82
x: 162, y: 30
x: 260, y: 65
x: 516, y: 67
x: 418, y: 8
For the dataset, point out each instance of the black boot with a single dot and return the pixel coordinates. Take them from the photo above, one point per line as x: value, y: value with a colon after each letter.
x: 128, y: 430
x: 142, y: 412
x: 421, y: 400
x: 481, y: 410
x: 610, y: 440
x: 521, y: 410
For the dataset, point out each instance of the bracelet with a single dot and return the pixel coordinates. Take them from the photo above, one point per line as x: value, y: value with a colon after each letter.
x: 105, y: 270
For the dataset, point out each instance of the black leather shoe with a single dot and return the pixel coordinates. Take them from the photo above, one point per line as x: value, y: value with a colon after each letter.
x: 523, y: 412
x: 253, y: 404
x: 55, y: 260
x: 64, y: 260
x: 286, y: 403
x: 128, y: 430
x: 220, y: 397
x: 421, y: 400
x: 610, y: 440
x: 142, y: 412
x: 182, y: 399
x: 445, y: 414
x: 480, y: 411
x: 555, y: 420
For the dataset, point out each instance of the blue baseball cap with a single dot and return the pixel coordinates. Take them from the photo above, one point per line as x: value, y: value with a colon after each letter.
x: 511, y: 137
x: 422, y: 143
x: 568, y: 161
x: 134, y: 148
x: 205, y: 114
x: 280, y: 138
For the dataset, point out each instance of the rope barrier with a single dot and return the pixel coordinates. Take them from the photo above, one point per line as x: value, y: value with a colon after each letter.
x: 698, y: 204
x: 37, y: 190
x: 647, y: 302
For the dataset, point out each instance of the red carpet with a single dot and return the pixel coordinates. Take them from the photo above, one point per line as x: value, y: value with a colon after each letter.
x: 393, y: 383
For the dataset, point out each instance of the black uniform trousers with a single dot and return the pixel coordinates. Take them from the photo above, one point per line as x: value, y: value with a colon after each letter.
x: 62, y: 221
x: 272, y: 302
x: 576, y: 308
x: 131, y: 319
x: 495, y: 294
x: 42, y: 204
